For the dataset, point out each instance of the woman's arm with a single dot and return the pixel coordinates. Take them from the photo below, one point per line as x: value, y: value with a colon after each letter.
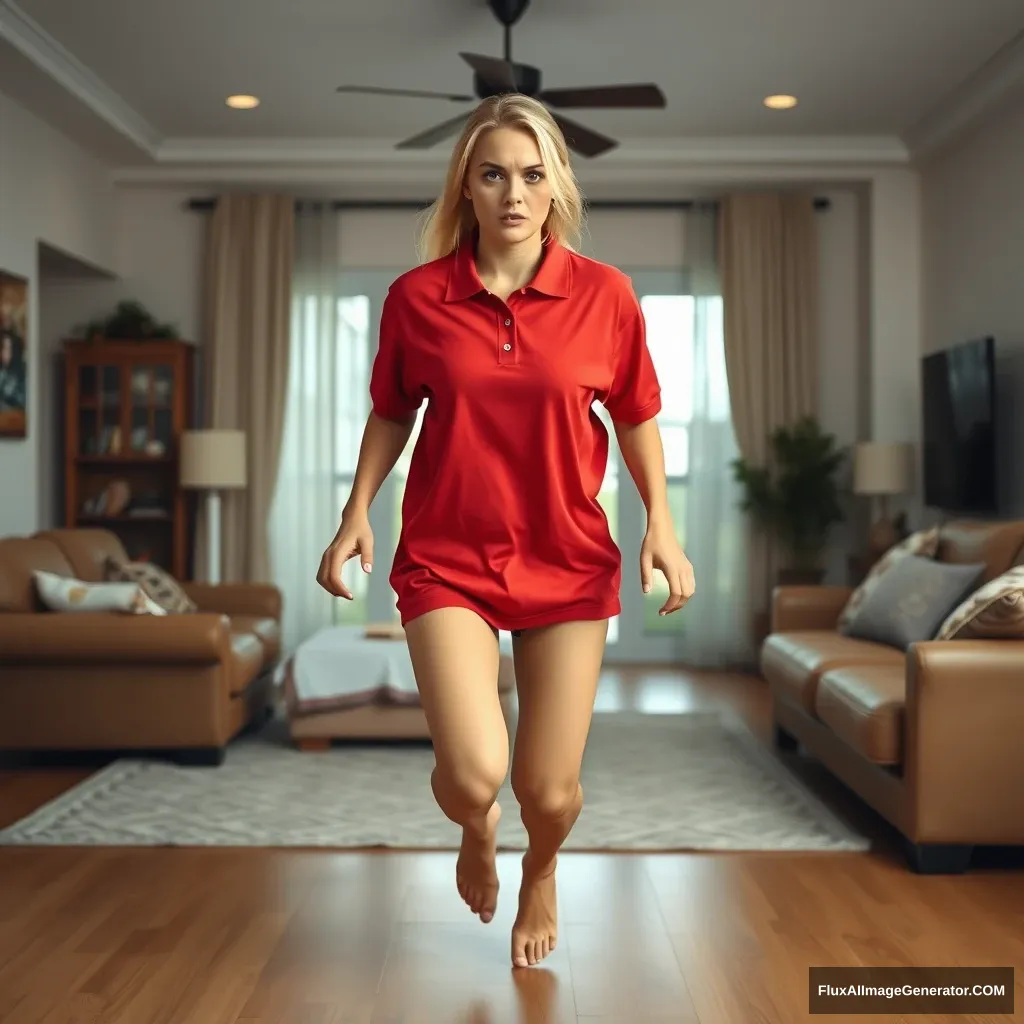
x: 383, y: 442
x: 644, y: 455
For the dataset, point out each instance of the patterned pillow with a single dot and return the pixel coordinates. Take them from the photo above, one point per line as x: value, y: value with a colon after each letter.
x: 923, y: 543
x: 912, y: 600
x: 158, y: 585
x: 65, y: 594
x: 994, y: 611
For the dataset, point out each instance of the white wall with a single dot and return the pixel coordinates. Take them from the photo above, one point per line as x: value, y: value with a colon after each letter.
x: 50, y: 190
x: 973, y: 198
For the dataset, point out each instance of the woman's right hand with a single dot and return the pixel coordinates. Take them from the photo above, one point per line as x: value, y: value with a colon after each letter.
x: 354, y: 537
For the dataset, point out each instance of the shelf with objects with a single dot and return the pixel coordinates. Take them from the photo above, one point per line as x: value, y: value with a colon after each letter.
x: 127, y: 405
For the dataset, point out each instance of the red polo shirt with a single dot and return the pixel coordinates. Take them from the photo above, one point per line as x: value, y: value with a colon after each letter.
x: 500, y: 513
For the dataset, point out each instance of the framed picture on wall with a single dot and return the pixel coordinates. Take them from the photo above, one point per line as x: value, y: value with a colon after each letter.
x: 13, y: 355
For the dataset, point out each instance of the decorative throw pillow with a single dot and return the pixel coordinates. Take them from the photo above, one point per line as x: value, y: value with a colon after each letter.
x: 923, y: 543
x: 993, y: 612
x: 64, y: 594
x: 158, y: 585
x: 912, y: 599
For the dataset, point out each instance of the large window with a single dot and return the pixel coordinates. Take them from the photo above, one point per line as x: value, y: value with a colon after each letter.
x: 352, y: 375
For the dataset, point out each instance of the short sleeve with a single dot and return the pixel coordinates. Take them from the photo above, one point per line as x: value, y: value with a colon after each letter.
x: 391, y: 394
x: 635, y: 393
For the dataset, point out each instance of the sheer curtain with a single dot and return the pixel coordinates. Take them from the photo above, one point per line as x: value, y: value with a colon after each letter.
x: 717, y: 618
x: 305, y: 512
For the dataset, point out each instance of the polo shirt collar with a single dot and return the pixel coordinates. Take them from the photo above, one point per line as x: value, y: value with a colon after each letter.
x: 553, y: 276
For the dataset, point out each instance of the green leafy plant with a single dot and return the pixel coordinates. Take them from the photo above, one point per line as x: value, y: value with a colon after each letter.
x: 130, y: 321
x: 796, y: 497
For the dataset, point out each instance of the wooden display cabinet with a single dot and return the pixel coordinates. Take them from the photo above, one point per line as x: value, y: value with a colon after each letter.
x: 127, y: 403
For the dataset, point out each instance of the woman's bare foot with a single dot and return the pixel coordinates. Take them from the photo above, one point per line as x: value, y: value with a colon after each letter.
x: 475, y: 873
x: 535, y: 931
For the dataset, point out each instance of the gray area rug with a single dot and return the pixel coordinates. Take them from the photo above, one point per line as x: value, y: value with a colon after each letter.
x: 651, y: 782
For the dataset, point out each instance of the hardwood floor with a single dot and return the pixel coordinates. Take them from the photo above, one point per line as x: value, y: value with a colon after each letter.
x: 224, y: 936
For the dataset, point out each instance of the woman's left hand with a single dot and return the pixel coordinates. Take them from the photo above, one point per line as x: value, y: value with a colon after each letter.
x: 661, y: 550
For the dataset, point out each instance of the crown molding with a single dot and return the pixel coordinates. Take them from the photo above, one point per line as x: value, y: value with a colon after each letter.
x: 363, y: 162
x: 994, y: 81
x: 654, y: 152
x: 42, y: 49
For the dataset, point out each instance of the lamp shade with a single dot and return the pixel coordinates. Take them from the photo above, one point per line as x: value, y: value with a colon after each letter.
x: 881, y: 467
x: 213, y: 459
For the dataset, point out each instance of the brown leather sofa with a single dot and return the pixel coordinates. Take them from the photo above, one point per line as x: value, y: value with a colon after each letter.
x: 931, y: 738
x: 184, y: 684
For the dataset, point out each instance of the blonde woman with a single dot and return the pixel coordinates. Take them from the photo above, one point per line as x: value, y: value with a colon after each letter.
x: 509, y: 335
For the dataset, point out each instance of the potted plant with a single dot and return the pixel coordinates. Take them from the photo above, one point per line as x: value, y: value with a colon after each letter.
x: 130, y: 321
x: 796, y: 497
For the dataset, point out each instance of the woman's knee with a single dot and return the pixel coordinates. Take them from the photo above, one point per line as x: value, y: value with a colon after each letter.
x: 474, y: 784
x: 546, y: 798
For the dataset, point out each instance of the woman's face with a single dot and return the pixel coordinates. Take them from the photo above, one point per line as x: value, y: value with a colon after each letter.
x: 508, y: 185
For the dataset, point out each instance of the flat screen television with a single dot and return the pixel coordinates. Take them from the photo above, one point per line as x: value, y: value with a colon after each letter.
x: 959, y: 429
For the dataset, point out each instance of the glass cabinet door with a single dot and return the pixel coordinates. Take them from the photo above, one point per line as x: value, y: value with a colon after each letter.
x: 99, y: 427
x: 150, y: 408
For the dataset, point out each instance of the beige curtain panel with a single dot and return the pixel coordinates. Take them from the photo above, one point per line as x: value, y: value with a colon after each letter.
x: 248, y: 290
x: 769, y: 268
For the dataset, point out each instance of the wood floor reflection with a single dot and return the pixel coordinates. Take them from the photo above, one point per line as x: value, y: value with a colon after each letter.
x: 225, y: 936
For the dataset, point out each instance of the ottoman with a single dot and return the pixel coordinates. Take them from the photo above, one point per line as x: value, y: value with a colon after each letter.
x: 357, y: 683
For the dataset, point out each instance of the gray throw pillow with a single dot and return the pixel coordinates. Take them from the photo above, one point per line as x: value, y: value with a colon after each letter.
x: 912, y: 600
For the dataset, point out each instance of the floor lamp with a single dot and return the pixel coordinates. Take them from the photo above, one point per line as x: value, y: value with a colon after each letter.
x: 881, y: 470
x: 213, y: 461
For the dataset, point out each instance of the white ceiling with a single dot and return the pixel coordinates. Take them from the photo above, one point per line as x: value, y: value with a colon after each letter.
x: 160, y: 71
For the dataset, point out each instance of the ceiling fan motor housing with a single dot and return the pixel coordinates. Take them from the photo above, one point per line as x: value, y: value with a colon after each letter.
x: 527, y: 82
x: 508, y: 12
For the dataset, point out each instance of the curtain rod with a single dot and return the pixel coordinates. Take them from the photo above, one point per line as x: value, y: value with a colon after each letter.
x: 206, y: 204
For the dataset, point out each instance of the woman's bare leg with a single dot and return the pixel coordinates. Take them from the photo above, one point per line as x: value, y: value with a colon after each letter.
x: 557, y: 670
x: 455, y: 659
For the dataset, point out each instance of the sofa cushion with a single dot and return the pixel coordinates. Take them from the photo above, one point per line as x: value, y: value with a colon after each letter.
x: 20, y: 557
x: 86, y: 549
x: 863, y: 705
x: 793, y: 662
x: 924, y: 543
x: 999, y: 544
x: 268, y: 631
x: 912, y: 600
x: 246, y: 659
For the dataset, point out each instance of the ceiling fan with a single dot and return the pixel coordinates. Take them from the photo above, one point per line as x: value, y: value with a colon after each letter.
x: 493, y: 76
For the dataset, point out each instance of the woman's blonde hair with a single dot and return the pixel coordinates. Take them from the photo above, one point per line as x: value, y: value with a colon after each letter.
x: 451, y: 217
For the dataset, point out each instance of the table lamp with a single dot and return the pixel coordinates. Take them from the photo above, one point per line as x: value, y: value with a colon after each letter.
x: 212, y: 461
x: 880, y: 470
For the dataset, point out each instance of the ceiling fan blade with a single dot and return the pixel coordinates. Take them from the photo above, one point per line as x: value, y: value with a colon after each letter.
x: 385, y: 91
x: 605, y: 96
x: 498, y: 73
x: 440, y: 132
x: 584, y: 140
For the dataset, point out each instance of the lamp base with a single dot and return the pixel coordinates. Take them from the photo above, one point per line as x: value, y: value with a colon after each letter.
x: 882, y: 536
x: 213, y: 536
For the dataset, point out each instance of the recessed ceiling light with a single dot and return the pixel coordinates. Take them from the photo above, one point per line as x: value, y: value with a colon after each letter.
x: 242, y: 102
x: 780, y: 102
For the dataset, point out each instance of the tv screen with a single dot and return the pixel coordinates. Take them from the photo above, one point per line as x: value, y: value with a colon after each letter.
x: 958, y: 400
